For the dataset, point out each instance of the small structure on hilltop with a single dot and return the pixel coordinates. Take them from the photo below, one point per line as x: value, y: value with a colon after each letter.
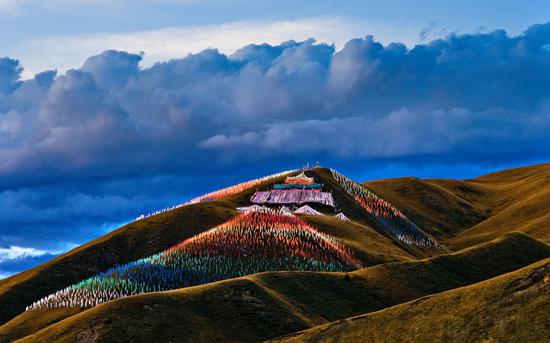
x: 295, y: 190
x: 307, y: 210
x: 341, y: 216
x: 253, y: 208
x: 301, y: 178
x: 284, y: 210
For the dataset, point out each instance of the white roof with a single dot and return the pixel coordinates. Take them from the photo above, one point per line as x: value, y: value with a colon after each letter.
x: 257, y: 208
x: 249, y: 208
x: 284, y: 210
x: 300, y: 176
x: 308, y: 210
x: 341, y: 216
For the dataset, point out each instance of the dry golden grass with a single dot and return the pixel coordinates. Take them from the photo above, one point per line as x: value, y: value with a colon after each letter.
x: 468, y: 212
x: 267, y: 305
x: 508, y: 308
x: 125, y: 244
x: 459, y: 214
x: 131, y: 242
x: 146, y: 237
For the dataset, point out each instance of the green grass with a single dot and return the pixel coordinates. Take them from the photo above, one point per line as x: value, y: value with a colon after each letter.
x: 266, y: 305
x: 508, y: 308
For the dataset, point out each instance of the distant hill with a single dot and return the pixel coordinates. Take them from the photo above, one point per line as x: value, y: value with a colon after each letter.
x: 462, y: 213
x: 267, y: 305
x: 508, y: 308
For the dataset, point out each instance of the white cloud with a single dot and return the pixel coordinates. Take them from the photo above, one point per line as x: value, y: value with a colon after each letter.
x: 15, y: 253
x: 64, y: 52
x: 5, y: 275
x: 17, y: 4
x: 80, y: 2
x: 13, y: 5
x: 8, y: 3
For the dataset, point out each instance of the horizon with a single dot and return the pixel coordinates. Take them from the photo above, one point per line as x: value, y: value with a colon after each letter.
x: 101, y: 123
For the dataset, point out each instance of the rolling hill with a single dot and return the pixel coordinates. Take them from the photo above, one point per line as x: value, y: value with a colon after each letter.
x: 133, y: 241
x: 403, y: 231
x: 151, y: 235
x: 509, y: 308
x: 266, y: 305
x: 462, y: 213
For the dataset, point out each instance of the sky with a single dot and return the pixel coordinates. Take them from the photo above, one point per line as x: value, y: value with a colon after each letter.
x: 111, y: 109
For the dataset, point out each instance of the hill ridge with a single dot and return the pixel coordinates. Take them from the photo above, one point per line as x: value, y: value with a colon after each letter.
x: 463, y: 213
x: 480, y: 311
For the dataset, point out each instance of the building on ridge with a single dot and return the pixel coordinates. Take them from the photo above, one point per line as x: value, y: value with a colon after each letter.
x: 294, y: 191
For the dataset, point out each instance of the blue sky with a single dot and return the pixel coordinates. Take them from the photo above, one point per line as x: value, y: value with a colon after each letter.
x: 110, y: 109
x: 60, y: 34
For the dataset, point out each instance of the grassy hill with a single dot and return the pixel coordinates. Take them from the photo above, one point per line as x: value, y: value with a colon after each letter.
x: 509, y: 308
x: 520, y: 203
x: 368, y: 245
x: 267, y: 305
x: 131, y: 242
x: 462, y: 213
x: 458, y: 213
x: 154, y: 234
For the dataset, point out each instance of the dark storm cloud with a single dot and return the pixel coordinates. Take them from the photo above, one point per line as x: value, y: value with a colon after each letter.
x: 10, y: 71
x: 462, y: 95
x: 83, y: 149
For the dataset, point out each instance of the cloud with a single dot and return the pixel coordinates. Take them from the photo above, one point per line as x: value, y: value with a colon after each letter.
x: 84, y: 150
x: 15, y: 259
x: 10, y: 72
x: 406, y: 134
x: 65, y: 52
x: 464, y: 96
x: 15, y: 253
x: 16, y: 6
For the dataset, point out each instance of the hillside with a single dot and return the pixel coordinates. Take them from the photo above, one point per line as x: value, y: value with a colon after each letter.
x: 512, y: 308
x: 462, y: 213
x: 131, y: 242
x: 151, y: 235
x: 267, y: 305
x: 249, y: 243
x: 404, y: 247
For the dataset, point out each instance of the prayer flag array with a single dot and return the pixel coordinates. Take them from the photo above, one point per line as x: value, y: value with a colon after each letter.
x: 393, y: 220
x: 222, y: 193
x: 251, y: 242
